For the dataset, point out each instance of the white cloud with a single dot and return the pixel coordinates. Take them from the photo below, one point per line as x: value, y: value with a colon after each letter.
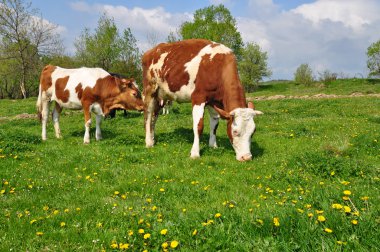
x: 154, y: 22
x: 351, y: 13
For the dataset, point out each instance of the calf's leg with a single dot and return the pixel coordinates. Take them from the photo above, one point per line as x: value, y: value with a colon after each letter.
x: 151, y: 115
x: 45, y: 104
x: 87, y: 123
x: 56, y: 112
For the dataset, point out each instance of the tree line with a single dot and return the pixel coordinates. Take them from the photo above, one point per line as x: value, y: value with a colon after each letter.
x: 28, y: 42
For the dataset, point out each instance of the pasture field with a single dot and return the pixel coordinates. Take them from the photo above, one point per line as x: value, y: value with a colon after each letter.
x: 313, y: 183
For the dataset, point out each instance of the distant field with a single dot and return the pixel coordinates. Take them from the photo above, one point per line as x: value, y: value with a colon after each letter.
x: 313, y: 183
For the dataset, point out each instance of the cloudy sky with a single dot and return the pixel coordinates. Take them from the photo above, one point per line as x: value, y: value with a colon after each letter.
x: 327, y: 34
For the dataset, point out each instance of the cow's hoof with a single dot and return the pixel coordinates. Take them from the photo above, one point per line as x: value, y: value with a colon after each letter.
x: 149, y: 144
x: 194, y: 156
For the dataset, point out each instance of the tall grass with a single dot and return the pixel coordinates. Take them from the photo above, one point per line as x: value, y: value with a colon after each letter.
x: 312, y: 185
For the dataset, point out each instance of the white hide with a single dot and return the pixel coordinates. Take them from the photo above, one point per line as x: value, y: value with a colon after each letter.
x: 85, y: 76
x: 198, y: 111
x: 242, y: 129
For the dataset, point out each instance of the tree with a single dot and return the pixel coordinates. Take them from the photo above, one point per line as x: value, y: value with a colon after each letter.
x: 373, y: 62
x: 172, y: 37
x: 304, y: 75
x: 102, y: 48
x: 214, y: 23
x: 25, y: 36
x: 253, y: 66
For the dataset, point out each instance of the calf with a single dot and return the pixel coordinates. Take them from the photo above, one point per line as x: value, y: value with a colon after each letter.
x: 92, y: 89
x: 206, y: 74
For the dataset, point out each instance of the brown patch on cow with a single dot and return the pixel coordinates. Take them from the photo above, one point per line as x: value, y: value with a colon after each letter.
x: 200, y: 126
x: 45, y: 79
x: 79, y: 90
x: 60, y: 86
x: 173, y: 70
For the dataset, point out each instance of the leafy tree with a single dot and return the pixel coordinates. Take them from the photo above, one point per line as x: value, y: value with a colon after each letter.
x: 101, y: 48
x: 24, y: 37
x: 253, y: 66
x: 214, y: 23
x: 373, y: 62
x: 304, y: 75
x: 107, y: 49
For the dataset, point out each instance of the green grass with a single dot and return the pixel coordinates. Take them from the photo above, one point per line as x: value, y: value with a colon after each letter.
x: 92, y: 197
x: 338, y: 87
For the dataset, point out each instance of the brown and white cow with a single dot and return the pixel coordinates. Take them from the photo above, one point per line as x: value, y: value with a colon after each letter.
x: 206, y: 74
x: 92, y: 89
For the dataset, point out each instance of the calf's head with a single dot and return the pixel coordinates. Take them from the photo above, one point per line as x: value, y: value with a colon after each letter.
x: 240, y: 128
x: 129, y: 97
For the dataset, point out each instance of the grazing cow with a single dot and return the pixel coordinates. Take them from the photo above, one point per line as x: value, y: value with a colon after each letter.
x: 206, y: 74
x: 92, y: 89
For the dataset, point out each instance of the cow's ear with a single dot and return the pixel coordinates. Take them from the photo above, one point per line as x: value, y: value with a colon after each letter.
x: 223, y: 114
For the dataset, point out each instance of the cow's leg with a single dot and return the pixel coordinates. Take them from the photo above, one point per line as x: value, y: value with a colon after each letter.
x: 214, y: 122
x: 56, y: 112
x: 87, y: 123
x: 45, y: 104
x: 198, y: 111
x: 98, y: 132
x: 151, y: 115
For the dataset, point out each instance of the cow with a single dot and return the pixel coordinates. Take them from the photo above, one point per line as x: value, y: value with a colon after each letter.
x: 91, y: 89
x: 205, y: 73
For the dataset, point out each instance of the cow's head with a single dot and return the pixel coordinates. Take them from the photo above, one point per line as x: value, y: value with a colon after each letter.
x: 240, y: 128
x: 129, y: 97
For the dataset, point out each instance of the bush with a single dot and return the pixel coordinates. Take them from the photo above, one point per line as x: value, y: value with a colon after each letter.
x: 304, y: 75
x: 327, y: 77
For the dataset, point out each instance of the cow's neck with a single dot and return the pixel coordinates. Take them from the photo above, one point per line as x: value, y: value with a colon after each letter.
x: 234, y: 97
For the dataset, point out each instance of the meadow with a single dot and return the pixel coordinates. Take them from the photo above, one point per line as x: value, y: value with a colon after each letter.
x: 313, y: 183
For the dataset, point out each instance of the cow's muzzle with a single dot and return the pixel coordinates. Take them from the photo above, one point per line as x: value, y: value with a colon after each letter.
x: 245, y: 157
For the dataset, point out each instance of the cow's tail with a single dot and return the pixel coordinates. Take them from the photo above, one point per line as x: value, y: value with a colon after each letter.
x: 39, y: 103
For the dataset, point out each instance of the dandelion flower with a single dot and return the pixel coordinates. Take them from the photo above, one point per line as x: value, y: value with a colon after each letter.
x: 39, y: 233
x: 345, y: 198
x: 319, y: 211
x: 364, y: 198
x: 174, y: 244
x: 45, y: 208
x: 164, y: 245
x: 276, y: 221
x: 123, y: 246
x: 114, y: 245
x: 347, y: 192
x: 195, y: 232
x: 321, y: 218
x: 146, y: 236
x: 130, y: 232
x: 347, y: 209
x: 164, y: 231
x: 328, y: 230
x: 162, y: 190
x: 218, y: 215
x: 62, y: 224
x: 337, y: 206
x: 354, y: 222
x: 141, y: 231
x: 32, y: 221
x: 310, y: 215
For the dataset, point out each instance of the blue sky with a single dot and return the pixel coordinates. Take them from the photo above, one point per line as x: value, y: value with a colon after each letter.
x: 327, y: 34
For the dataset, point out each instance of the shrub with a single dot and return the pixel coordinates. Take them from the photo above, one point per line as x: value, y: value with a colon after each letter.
x: 304, y: 75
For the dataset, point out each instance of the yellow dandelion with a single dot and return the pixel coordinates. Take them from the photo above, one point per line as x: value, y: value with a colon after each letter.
x: 356, y: 213
x: 341, y: 242
x: 300, y: 210
x: 364, y: 198
x: 39, y: 233
x: 174, y: 244
x: 347, y: 209
x: 141, y: 231
x: 260, y: 221
x: 140, y: 221
x: 321, y: 218
x: 354, y: 222
x: 345, y: 182
x: 116, y: 192
x: 78, y: 209
x: 328, y: 230
x: 195, y: 232
x: 231, y: 205
x: 276, y: 221
x: 66, y: 210
x: 62, y: 224
x: 347, y: 192
x: 123, y: 246
x: 319, y: 211
x: 321, y: 183
x: 130, y: 232
x: 164, y: 245
x: 164, y: 231
x: 149, y: 200
x: 56, y: 212
x: 337, y: 206
x: 2, y: 191
x: 162, y: 190
x: 146, y: 236
x: 33, y: 221
x: 154, y: 208
x: 308, y: 206
x: 310, y: 215
x: 184, y: 210
x: 114, y: 245
x: 345, y: 198
x: 218, y: 215
x: 45, y: 208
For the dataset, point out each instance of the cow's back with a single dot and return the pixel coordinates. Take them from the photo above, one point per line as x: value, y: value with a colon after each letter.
x: 176, y: 68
